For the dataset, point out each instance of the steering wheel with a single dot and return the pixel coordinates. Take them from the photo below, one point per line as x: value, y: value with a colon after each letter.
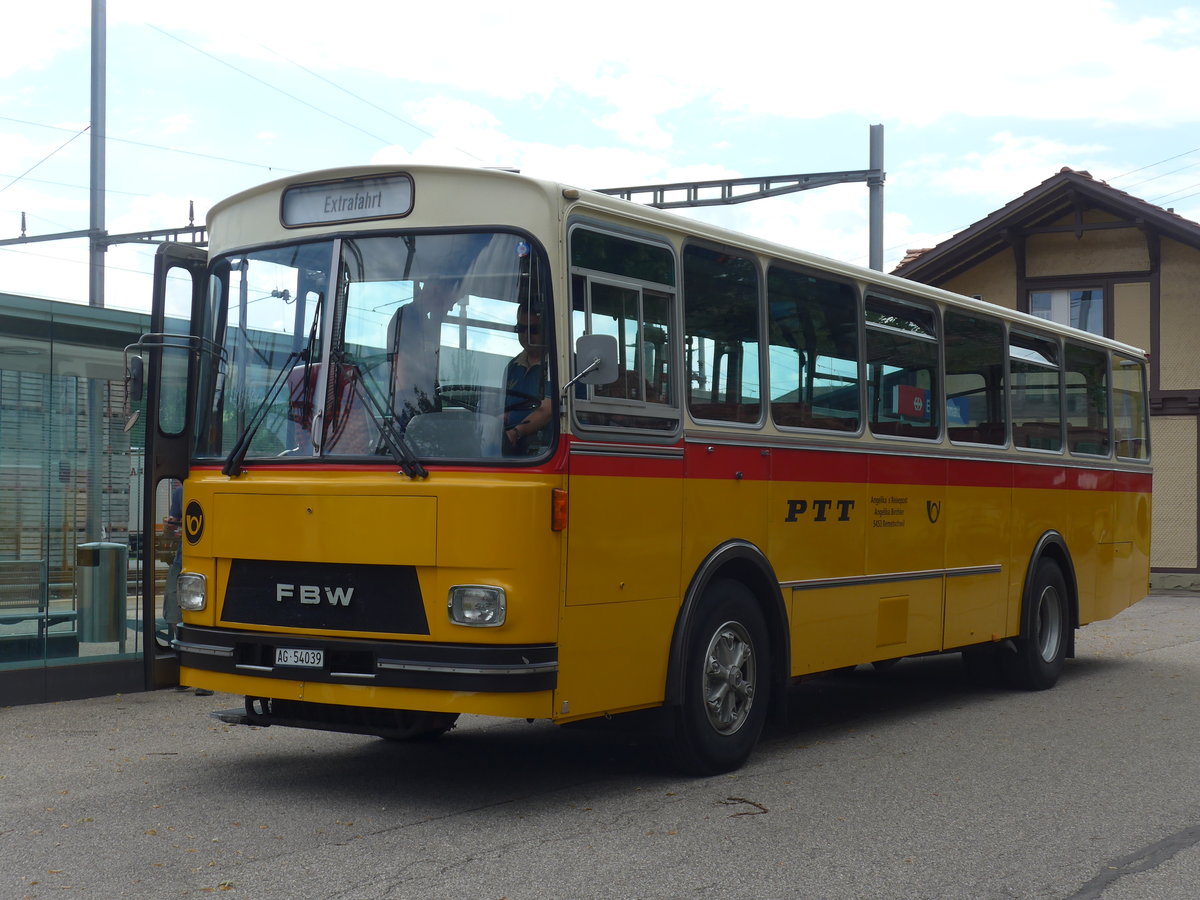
x: 522, y: 400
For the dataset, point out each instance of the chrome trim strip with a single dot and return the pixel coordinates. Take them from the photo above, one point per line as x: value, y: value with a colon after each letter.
x: 253, y: 668
x: 858, y: 580
x: 206, y: 649
x: 648, y: 451
x: 352, y: 674
x: 403, y: 666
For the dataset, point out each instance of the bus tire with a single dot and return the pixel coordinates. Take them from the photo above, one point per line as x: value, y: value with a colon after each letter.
x: 1040, y: 650
x: 727, y: 682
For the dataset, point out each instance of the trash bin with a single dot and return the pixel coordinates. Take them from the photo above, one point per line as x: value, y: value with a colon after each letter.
x: 101, y: 573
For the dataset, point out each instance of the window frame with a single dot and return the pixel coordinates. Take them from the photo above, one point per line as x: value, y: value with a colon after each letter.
x: 1056, y: 342
x: 668, y: 411
x: 761, y: 336
x: 936, y: 390
x: 860, y: 347
x: 1104, y: 353
x: 1004, y: 387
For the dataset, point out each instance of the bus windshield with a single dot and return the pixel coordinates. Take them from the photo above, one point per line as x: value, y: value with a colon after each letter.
x: 417, y: 346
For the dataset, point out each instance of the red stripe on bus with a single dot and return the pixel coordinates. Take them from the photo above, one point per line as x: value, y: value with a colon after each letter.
x: 835, y: 467
x: 788, y: 465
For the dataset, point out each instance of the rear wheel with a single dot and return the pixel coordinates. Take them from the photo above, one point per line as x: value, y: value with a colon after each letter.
x: 726, y: 672
x: 1042, y: 646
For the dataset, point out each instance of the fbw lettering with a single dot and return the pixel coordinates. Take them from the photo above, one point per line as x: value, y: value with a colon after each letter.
x: 313, y: 594
x: 819, y: 510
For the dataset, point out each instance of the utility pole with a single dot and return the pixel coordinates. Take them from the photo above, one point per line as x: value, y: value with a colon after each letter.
x: 96, y: 245
x: 94, y: 521
x: 875, y: 199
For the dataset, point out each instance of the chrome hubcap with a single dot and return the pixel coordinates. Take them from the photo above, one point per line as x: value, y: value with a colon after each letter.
x: 729, y: 678
x: 1049, y: 623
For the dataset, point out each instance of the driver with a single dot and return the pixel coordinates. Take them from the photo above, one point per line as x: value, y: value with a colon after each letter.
x: 527, y: 407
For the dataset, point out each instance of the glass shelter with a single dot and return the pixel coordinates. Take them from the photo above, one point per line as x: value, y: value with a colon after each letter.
x: 74, y: 620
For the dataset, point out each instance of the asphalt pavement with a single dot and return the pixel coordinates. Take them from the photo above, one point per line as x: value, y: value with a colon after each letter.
x: 908, y: 783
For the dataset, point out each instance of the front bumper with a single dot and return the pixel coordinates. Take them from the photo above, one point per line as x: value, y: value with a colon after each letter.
x: 404, y: 664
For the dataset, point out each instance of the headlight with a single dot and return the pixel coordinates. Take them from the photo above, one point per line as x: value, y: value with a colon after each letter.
x: 474, y: 604
x: 193, y: 591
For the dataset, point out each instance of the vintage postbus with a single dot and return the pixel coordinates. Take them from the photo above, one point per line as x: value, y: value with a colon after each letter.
x: 462, y: 441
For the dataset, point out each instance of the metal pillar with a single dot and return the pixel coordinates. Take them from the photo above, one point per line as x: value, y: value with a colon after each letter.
x: 96, y: 220
x: 875, y: 200
x: 95, y: 399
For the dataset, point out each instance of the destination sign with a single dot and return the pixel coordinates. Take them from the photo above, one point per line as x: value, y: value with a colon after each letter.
x: 347, y: 201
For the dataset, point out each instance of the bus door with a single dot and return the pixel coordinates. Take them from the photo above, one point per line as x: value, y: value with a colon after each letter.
x: 625, y: 505
x: 159, y: 367
x: 906, y: 500
x: 978, y: 513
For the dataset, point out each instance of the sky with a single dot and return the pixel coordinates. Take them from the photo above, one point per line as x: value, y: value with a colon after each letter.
x: 979, y: 103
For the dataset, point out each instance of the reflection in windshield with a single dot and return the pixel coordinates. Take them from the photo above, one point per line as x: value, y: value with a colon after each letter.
x: 420, y: 338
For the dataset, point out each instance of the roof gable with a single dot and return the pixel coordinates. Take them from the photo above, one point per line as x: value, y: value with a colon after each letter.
x: 1067, y: 193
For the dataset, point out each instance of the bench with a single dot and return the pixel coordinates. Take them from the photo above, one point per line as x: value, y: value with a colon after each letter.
x: 25, y: 597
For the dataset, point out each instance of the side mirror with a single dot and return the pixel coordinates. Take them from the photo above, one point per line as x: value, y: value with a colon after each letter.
x: 595, y: 359
x: 135, y: 384
x: 135, y: 379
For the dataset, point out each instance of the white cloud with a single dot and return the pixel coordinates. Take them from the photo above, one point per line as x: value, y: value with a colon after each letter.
x: 917, y: 61
x: 176, y: 124
x: 36, y: 34
x: 484, y: 81
x: 466, y: 134
x: 1011, y: 165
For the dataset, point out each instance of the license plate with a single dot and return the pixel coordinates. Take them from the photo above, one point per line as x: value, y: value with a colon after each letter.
x: 292, y: 656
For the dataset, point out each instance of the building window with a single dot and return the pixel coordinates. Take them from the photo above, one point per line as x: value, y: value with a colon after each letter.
x: 1077, y: 307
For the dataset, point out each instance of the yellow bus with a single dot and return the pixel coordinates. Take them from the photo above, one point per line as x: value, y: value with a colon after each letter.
x: 463, y: 441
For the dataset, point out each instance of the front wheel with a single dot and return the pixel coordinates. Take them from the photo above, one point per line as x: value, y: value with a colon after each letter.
x: 1042, y: 646
x: 727, y: 683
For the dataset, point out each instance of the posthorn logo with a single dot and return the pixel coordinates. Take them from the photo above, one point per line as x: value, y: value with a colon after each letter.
x: 193, y: 522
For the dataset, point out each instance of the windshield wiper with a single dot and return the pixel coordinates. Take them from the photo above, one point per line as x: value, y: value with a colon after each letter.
x: 233, y: 462
x: 397, y: 446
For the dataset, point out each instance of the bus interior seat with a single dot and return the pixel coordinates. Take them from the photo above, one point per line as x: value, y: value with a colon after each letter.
x: 982, y: 433
x: 1038, y: 435
x: 1086, y: 439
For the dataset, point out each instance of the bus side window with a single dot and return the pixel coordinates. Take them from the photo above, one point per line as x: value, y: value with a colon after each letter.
x: 1130, y: 428
x: 1035, y: 392
x: 625, y: 288
x: 1087, y: 400
x: 975, y: 409
x: 903, y: 394
x: 721, y: 318
x: 813, y: 354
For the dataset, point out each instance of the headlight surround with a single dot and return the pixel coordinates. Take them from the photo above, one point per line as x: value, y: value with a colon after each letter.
x: 193, y: 591
x: 477, y: 605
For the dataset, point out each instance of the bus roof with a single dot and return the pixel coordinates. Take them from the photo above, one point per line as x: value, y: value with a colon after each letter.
x: 573, y: 199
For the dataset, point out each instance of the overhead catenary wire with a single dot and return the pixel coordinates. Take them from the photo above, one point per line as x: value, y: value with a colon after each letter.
x: 196, y: 153
x: 273, y: 87
x: 364, y: 100
x: 1152, y: 165
x: 83, y: 130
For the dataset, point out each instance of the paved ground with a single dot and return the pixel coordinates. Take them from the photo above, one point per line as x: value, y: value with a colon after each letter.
x: 910, y: 783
